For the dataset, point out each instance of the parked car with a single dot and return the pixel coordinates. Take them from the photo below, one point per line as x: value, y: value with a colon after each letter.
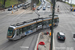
x: 24, y: 6
x: 9, y: 9
x: 44, y: 8
x: 38, y: 8
x: 15, y: 7
x: 18, y: 6
x: 48, y: 6
x: 21, y: 5
x: 60, y: 36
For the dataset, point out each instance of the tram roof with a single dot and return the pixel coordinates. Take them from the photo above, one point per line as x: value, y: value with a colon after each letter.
x: 31, y: 21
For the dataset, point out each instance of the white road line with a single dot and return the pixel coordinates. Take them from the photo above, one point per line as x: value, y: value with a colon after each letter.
x: 24, y: 47
x: 53, y: 42
x: 37, y: 41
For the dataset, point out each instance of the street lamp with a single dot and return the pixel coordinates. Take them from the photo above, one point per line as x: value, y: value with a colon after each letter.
x: 53, y: 11
x: 71, y: 3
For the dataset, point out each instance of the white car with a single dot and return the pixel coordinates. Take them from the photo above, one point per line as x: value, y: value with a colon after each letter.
x: 48, y: 6
x: 15, y: 7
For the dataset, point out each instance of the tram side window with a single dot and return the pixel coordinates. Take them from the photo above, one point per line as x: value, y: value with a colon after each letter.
x: 55, y: 20
x: 20, y: 31
x: 40, y: 23
x: 33, y: 26
x: 58, y: 20
x: 24, y: 29
x: 29, y: 27
x: 50, y: 21
x: 13, y: 32
x: 17, y: 31
x: 47, y: 22
x: 44, y: 22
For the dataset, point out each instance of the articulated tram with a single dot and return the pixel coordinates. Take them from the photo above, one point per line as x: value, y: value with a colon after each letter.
x: 26, y: 5
x: 16, y: 31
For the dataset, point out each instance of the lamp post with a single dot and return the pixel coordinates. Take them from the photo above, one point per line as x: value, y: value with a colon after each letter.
x: 53, y: 11
x: 71, y: 3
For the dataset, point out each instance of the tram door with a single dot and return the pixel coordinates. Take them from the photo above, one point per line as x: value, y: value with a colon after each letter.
x: 18, y: 33
x: 33, y: 27
x: 39, y: 25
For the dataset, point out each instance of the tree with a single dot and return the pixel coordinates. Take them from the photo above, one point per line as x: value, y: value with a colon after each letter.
x: 4, y: 3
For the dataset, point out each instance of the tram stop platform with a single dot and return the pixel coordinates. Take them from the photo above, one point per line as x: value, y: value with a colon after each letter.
x: 43, y: 41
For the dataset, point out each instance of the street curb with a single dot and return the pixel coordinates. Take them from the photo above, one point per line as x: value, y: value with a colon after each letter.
x: 37, y: 41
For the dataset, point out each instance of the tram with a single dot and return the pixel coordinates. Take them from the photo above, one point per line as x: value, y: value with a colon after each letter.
x: 25, y: 6
x: 16, y: 31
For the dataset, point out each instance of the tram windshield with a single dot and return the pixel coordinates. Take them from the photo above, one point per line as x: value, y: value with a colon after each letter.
x: 10, y: 32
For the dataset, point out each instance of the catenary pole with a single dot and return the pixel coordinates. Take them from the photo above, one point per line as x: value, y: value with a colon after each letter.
x: 71, y: 2
x: 53, y: 11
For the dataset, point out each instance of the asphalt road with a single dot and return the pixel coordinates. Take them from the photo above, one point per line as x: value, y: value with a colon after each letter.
x: 7, y: 19
x: 66, y: 25
x: 45, y: 13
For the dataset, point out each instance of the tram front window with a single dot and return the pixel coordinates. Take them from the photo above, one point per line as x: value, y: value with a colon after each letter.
x: 10, y: 32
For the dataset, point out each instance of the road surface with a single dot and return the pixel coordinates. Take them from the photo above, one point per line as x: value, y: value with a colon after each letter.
x: 66, y: 25
x: 7, y: 19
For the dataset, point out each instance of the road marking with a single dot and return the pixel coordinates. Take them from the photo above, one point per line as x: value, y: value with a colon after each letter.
x: 53, y: 42
x: 37, y: 41
x: 24, y: 47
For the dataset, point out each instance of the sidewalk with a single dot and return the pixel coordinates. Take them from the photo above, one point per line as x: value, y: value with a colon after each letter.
x: 73, y: 13
x: 43, y: 38
x: 28, y: 10
x: 22, y: 10
x: 3, y: 10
